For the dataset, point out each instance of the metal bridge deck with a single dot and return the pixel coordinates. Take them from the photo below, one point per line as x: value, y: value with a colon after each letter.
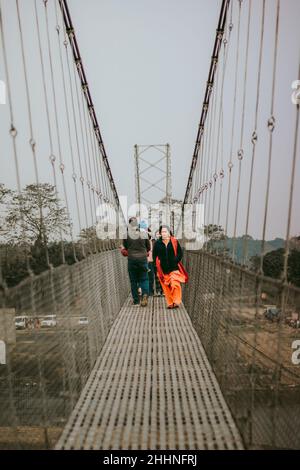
x: 152, y: 387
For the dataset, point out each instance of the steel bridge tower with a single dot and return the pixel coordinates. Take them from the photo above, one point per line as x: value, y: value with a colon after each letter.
x: 153, y: 181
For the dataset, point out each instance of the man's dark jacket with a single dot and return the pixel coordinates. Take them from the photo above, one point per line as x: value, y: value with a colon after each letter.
x: 138, y: 245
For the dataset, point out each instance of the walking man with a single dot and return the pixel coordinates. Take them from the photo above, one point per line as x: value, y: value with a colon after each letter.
x: 137, y: 244
x: 151, y: 273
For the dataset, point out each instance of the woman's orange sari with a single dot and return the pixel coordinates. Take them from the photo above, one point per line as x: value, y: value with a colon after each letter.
x: 171, y: 282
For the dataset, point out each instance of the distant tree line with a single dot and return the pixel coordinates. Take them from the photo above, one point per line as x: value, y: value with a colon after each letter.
x: 273, y: 263
x: 273, y: 260
x: 35, y: 231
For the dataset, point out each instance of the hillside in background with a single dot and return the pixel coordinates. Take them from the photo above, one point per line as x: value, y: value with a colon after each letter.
x: 254, y: 246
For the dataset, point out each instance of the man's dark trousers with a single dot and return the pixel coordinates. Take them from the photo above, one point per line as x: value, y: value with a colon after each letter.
x: 138, y: 275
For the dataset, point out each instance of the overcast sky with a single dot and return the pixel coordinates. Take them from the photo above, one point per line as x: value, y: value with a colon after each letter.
x: 147, y: 64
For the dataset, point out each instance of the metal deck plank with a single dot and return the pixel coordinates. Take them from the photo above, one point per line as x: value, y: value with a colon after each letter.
x: 152, y: 387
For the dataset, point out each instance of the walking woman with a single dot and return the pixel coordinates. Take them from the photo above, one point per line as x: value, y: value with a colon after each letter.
x: 167, y: 255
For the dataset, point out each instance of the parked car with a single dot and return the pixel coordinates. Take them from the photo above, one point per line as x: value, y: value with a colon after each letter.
x: 272, y: 313
x: 21, y: 322
x: 48, y: 321
x: 293, y: 320
x: 83, y: 321
x: 295, y: 323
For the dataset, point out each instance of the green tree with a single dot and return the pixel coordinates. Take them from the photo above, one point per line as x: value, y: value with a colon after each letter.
x: 88, y: 234
x: 215, y: 237
x: 213, y: 231
x: 273, y: 263
x: 255, y: 262
x: 35, y: 216
x: 294, y: 267
x: 5, y: 194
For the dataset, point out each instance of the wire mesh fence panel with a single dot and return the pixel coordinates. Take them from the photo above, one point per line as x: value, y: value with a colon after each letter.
x: 250, y: 351
x: 60, y: 320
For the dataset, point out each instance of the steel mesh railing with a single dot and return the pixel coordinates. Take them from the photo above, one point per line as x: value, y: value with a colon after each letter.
x: 47, y: 367
x: 251, y: 355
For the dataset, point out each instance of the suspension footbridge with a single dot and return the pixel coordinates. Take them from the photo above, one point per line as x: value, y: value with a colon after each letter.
x: 81, y: 367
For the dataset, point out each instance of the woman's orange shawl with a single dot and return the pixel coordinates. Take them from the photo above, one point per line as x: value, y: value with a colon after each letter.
x: 183, y: 277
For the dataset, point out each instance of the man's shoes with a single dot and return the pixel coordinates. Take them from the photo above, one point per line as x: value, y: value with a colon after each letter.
x: 170, y: 306
x: 175, y: 306
x: 144, y: 300
x: 135, y: 304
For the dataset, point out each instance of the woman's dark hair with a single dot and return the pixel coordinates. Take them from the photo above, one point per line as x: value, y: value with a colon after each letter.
x: 167, y: 227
